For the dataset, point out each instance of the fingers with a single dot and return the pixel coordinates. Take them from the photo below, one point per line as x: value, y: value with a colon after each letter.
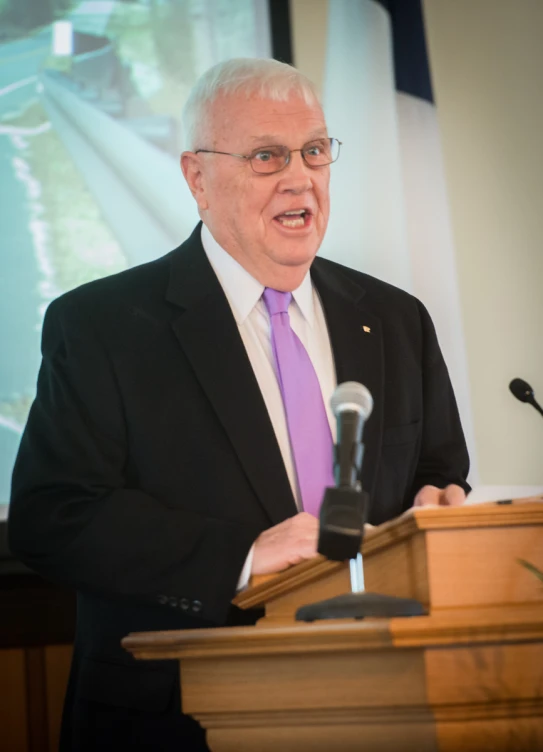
x: 427, y: 496
x: 290, y: 542
x: 451, y: 496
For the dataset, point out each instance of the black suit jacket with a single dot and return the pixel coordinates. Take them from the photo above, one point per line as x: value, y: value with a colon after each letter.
x: 149, y: 464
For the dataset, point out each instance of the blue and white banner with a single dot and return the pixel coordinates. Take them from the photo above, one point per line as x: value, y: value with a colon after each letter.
x: 390, y: 215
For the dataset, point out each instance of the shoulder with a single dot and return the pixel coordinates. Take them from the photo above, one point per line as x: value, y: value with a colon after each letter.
x: 403, y: 318
x: 372, y: 290
x: 103, y: 296
x: 113, y: 310
x: 139, y: 291
x: 123, y: 310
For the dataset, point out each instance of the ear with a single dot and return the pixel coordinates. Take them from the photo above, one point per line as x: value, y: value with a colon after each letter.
x: 193, y: 170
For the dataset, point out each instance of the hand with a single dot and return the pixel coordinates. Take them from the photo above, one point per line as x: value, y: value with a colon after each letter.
x: 452, y: 496
x: 287, y: 543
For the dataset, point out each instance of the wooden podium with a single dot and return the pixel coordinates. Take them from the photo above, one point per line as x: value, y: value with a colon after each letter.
x: 468, y: 676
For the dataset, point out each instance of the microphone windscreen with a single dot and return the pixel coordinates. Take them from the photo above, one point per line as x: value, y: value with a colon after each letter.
x: 521, y: 390
x: 352, y: 396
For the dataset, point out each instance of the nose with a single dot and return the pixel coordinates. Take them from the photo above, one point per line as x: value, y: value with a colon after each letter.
x: 296, y: 177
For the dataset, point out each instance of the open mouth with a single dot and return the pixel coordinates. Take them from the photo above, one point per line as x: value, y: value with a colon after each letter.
x: 295, y: 219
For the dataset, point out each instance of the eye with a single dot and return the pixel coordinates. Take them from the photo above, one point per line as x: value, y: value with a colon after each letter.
x: 264, y: 155
x: 268, y: 153
x: 315, y: 150
x: 318, y: 148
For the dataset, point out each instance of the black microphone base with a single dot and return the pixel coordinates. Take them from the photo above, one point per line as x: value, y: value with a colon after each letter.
x: 360, y: 606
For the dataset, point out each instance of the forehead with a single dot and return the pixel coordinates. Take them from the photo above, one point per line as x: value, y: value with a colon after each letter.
x: 251, y: 121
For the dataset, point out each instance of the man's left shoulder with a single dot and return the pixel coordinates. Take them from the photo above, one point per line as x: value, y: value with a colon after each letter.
x: 372, y: 290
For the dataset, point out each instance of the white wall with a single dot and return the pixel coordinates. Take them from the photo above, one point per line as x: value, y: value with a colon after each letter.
x: 487, y: 63
x: 486, y: 58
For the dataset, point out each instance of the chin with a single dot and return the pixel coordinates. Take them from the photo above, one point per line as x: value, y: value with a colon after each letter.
x: 296, y: 254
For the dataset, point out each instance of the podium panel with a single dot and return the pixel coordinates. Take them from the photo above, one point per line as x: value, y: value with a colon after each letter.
x: 468, y: 676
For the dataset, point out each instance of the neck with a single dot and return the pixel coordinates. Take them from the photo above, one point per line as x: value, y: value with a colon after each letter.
x: 284, y: 278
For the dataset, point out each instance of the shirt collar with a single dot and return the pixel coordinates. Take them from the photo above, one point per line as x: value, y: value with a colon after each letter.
x: 303, y: 296
x: 241, y: 289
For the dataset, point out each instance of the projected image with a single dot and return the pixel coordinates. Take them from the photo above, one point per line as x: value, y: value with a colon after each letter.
x: 90, y: 136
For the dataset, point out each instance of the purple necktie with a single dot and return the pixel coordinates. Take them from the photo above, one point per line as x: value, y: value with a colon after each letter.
x: 308, y: 427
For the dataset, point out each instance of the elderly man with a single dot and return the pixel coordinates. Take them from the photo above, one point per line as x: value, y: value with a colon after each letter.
x: 181, y: 437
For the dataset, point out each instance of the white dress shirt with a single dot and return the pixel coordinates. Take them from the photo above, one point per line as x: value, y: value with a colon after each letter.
x: 244, y: 294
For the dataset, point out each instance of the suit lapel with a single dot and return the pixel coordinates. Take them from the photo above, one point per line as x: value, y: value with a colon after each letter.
x: 356, y: 338
x: 209, y: 337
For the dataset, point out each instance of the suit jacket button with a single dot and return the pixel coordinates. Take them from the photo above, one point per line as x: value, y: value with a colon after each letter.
x: 162, y: 599
x: 184, y: 604
x: 196, y: 607
x: 172, y: 602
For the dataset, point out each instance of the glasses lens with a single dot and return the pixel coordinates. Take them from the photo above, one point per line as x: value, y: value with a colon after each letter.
x: 269, y: 159
x: 321, y: 152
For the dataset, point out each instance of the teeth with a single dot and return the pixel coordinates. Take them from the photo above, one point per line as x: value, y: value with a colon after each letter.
x: 293, y: 222
x: 298, y: 218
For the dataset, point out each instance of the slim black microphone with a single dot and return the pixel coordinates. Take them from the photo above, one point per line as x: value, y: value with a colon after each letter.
x: 524, y: 392
x: 344, y: 508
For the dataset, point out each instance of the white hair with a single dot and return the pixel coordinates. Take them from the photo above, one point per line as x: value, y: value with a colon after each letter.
x: 258, y: 77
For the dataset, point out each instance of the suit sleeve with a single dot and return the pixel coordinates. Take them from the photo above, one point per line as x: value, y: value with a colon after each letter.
x: 75, y: 518
x: 443, y: 457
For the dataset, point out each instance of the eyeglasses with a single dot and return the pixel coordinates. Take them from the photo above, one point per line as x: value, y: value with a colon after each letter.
x: 269, y: 159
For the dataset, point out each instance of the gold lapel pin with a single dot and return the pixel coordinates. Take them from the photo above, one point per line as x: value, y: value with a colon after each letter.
x: 367, y: 329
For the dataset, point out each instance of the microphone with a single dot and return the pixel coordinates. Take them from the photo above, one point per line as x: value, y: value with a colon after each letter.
x: 352, y: 404
x: 342, y: 517
x: 524, y: 392
x: 344, y: 508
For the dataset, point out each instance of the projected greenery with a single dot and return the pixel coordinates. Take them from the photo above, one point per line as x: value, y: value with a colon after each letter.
x: 66, y: 210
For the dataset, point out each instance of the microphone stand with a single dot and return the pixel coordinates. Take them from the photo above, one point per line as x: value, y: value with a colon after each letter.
x: 342, y: 516
x: 533, y: 402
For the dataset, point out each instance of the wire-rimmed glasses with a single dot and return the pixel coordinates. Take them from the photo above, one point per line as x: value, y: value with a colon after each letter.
x: 265, y: 160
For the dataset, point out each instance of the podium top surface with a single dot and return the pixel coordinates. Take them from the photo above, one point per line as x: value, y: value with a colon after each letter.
x: 509, y: 513
x: 506, y: 513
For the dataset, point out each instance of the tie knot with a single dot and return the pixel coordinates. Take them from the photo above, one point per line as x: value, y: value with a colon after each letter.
x: 276, y: 301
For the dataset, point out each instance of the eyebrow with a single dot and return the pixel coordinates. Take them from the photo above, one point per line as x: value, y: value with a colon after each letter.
x: 268, y: 140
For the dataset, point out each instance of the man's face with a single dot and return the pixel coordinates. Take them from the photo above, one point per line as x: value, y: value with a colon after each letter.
x: 245, y: 211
